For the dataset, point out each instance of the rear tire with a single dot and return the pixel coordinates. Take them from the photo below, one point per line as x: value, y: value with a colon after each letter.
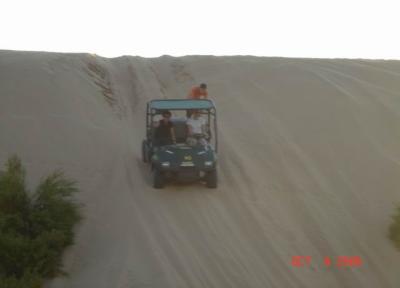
x: 158, y: 179
x: 211, y: 179
x: 145, y: 152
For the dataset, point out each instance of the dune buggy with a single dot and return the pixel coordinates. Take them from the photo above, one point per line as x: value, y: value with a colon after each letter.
x: 181, y: 161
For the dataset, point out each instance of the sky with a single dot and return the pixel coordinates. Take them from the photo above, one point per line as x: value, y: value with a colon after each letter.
x: 150, y: 28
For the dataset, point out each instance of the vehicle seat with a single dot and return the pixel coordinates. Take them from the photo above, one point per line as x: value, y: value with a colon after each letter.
x: 180, y: 129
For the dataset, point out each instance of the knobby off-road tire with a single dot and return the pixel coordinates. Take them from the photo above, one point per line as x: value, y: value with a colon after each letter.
x: 145, y: 152
x: 158, y: 179
x: 211, y: 179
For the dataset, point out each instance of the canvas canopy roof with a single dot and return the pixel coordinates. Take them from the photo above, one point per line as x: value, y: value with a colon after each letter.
x: 181, y: 104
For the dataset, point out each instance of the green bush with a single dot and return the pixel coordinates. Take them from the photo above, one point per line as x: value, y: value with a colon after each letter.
x: 35, y: 228
x: 394, y: 229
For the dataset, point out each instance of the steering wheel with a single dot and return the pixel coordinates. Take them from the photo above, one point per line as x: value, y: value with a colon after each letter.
x: 199, y: 135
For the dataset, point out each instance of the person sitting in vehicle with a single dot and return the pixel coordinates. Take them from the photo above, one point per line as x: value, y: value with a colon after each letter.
x: 164, y: 133
x: 196, y: 129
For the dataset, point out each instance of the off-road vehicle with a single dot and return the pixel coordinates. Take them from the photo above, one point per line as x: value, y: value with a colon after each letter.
x: 180, y: 160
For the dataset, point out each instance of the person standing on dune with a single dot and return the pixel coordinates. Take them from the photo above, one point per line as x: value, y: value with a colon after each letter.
x: 198, y: 92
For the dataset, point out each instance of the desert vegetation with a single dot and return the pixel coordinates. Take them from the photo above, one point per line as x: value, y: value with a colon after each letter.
x: 394, y: 230
x: 35, y: 227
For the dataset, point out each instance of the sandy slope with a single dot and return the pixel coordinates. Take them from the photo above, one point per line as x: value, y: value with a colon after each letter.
x: 309, y: 165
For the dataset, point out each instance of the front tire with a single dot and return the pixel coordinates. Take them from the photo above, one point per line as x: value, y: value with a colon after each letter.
x: 211, y: 179
x: 158, y: 179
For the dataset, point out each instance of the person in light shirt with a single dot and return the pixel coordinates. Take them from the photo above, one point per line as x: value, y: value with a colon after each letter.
x: 197, y: 131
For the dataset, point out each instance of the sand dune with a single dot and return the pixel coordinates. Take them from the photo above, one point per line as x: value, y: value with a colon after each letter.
x: 309, y: 165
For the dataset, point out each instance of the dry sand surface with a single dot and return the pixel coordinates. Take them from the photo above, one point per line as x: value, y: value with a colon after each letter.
x: 309, y: 165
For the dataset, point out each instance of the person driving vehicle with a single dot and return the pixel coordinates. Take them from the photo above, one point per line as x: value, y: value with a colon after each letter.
x: 196, y: 129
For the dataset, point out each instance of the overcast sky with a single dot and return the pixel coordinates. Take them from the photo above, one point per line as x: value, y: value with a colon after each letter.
x: 311, y: 28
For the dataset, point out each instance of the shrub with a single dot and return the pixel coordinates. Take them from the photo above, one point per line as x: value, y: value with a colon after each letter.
x: 394, y: 229
x: 35, y: 228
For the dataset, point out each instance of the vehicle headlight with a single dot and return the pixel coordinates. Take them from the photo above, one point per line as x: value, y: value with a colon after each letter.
x: 165, y: 164
x: 208, y: 163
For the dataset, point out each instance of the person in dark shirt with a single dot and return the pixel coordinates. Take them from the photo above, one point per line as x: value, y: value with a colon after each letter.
x: 164, y: 134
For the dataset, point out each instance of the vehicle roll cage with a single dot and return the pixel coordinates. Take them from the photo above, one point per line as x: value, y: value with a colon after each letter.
x: 206, y: 106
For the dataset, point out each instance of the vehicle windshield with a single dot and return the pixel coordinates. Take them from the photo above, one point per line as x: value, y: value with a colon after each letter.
x: 179, y: 119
